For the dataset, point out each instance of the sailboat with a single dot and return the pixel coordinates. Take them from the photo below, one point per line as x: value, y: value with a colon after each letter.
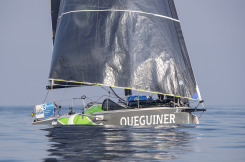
x: 135, y: 45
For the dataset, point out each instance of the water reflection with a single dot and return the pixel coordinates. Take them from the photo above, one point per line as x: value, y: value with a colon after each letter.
x: 96, y: 143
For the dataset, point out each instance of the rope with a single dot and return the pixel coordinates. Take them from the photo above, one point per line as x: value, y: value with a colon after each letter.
x: 104, y: 89
x: 200, y: 115
x: 52, y: 95
x: 46, y: 97
x: 97, y: 99
x: 116, y: 95
x: 60, y: 101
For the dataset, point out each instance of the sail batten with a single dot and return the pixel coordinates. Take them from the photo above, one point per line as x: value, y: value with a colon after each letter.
x: 113, y: 10
x: 122, y: 43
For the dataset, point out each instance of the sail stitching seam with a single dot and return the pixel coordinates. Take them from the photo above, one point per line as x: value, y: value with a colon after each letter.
x: 157, y: 15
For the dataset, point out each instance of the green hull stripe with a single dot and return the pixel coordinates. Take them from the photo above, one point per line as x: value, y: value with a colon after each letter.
x: 64, y: 120
x: 77, y: 120
x: 85, y: 121
x: 93, y: 109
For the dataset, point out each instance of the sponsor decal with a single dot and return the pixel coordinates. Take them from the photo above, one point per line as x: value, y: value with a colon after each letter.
x: 148, y: 120
x: 44, y: 110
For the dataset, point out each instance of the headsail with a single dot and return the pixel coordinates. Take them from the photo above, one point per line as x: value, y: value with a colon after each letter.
x: 135, y: 45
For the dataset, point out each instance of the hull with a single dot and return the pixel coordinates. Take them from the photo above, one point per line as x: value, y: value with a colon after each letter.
x: 129, y: 117
x: 48, y: 121
x: 147, y: 116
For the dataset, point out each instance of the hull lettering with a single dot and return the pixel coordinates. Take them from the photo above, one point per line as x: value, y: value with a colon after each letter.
x: 148, y: 120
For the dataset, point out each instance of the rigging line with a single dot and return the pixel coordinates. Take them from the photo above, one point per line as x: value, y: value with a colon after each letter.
x: 67, y: 100
x: 116, y: 94
x: 104, y: 89
x: 96, y: 101
x: 46, y: 97
x: 200, y: 115
x: 113, y: 93
x: 197, y: 105
x: 111, y: 10
x: 60, y: 101
x: 51, y: 85
x: 52, y: 95
x: 95, y: 97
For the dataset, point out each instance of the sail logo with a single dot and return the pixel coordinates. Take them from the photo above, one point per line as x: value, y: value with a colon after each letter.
x: 148, y: 120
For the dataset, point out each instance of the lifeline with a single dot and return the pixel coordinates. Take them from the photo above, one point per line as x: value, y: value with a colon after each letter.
x: 148, y: 120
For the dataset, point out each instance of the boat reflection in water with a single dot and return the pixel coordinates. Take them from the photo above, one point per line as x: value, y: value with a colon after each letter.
x: 118, y: 143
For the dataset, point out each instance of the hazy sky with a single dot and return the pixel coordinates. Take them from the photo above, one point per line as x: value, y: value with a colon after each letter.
x: 213, y: 31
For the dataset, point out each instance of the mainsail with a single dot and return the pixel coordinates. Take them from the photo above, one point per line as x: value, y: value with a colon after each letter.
x: 131, y: 44
x: 55, y: 5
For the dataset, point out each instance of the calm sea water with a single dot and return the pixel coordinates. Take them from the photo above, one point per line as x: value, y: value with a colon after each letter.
x: 219, y: 137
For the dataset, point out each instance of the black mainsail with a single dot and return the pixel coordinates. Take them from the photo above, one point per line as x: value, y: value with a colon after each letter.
x: 55, y: 6
x: 131, y: 44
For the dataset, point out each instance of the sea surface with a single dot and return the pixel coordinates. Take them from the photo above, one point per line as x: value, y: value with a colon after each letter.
x: 220, y: 136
